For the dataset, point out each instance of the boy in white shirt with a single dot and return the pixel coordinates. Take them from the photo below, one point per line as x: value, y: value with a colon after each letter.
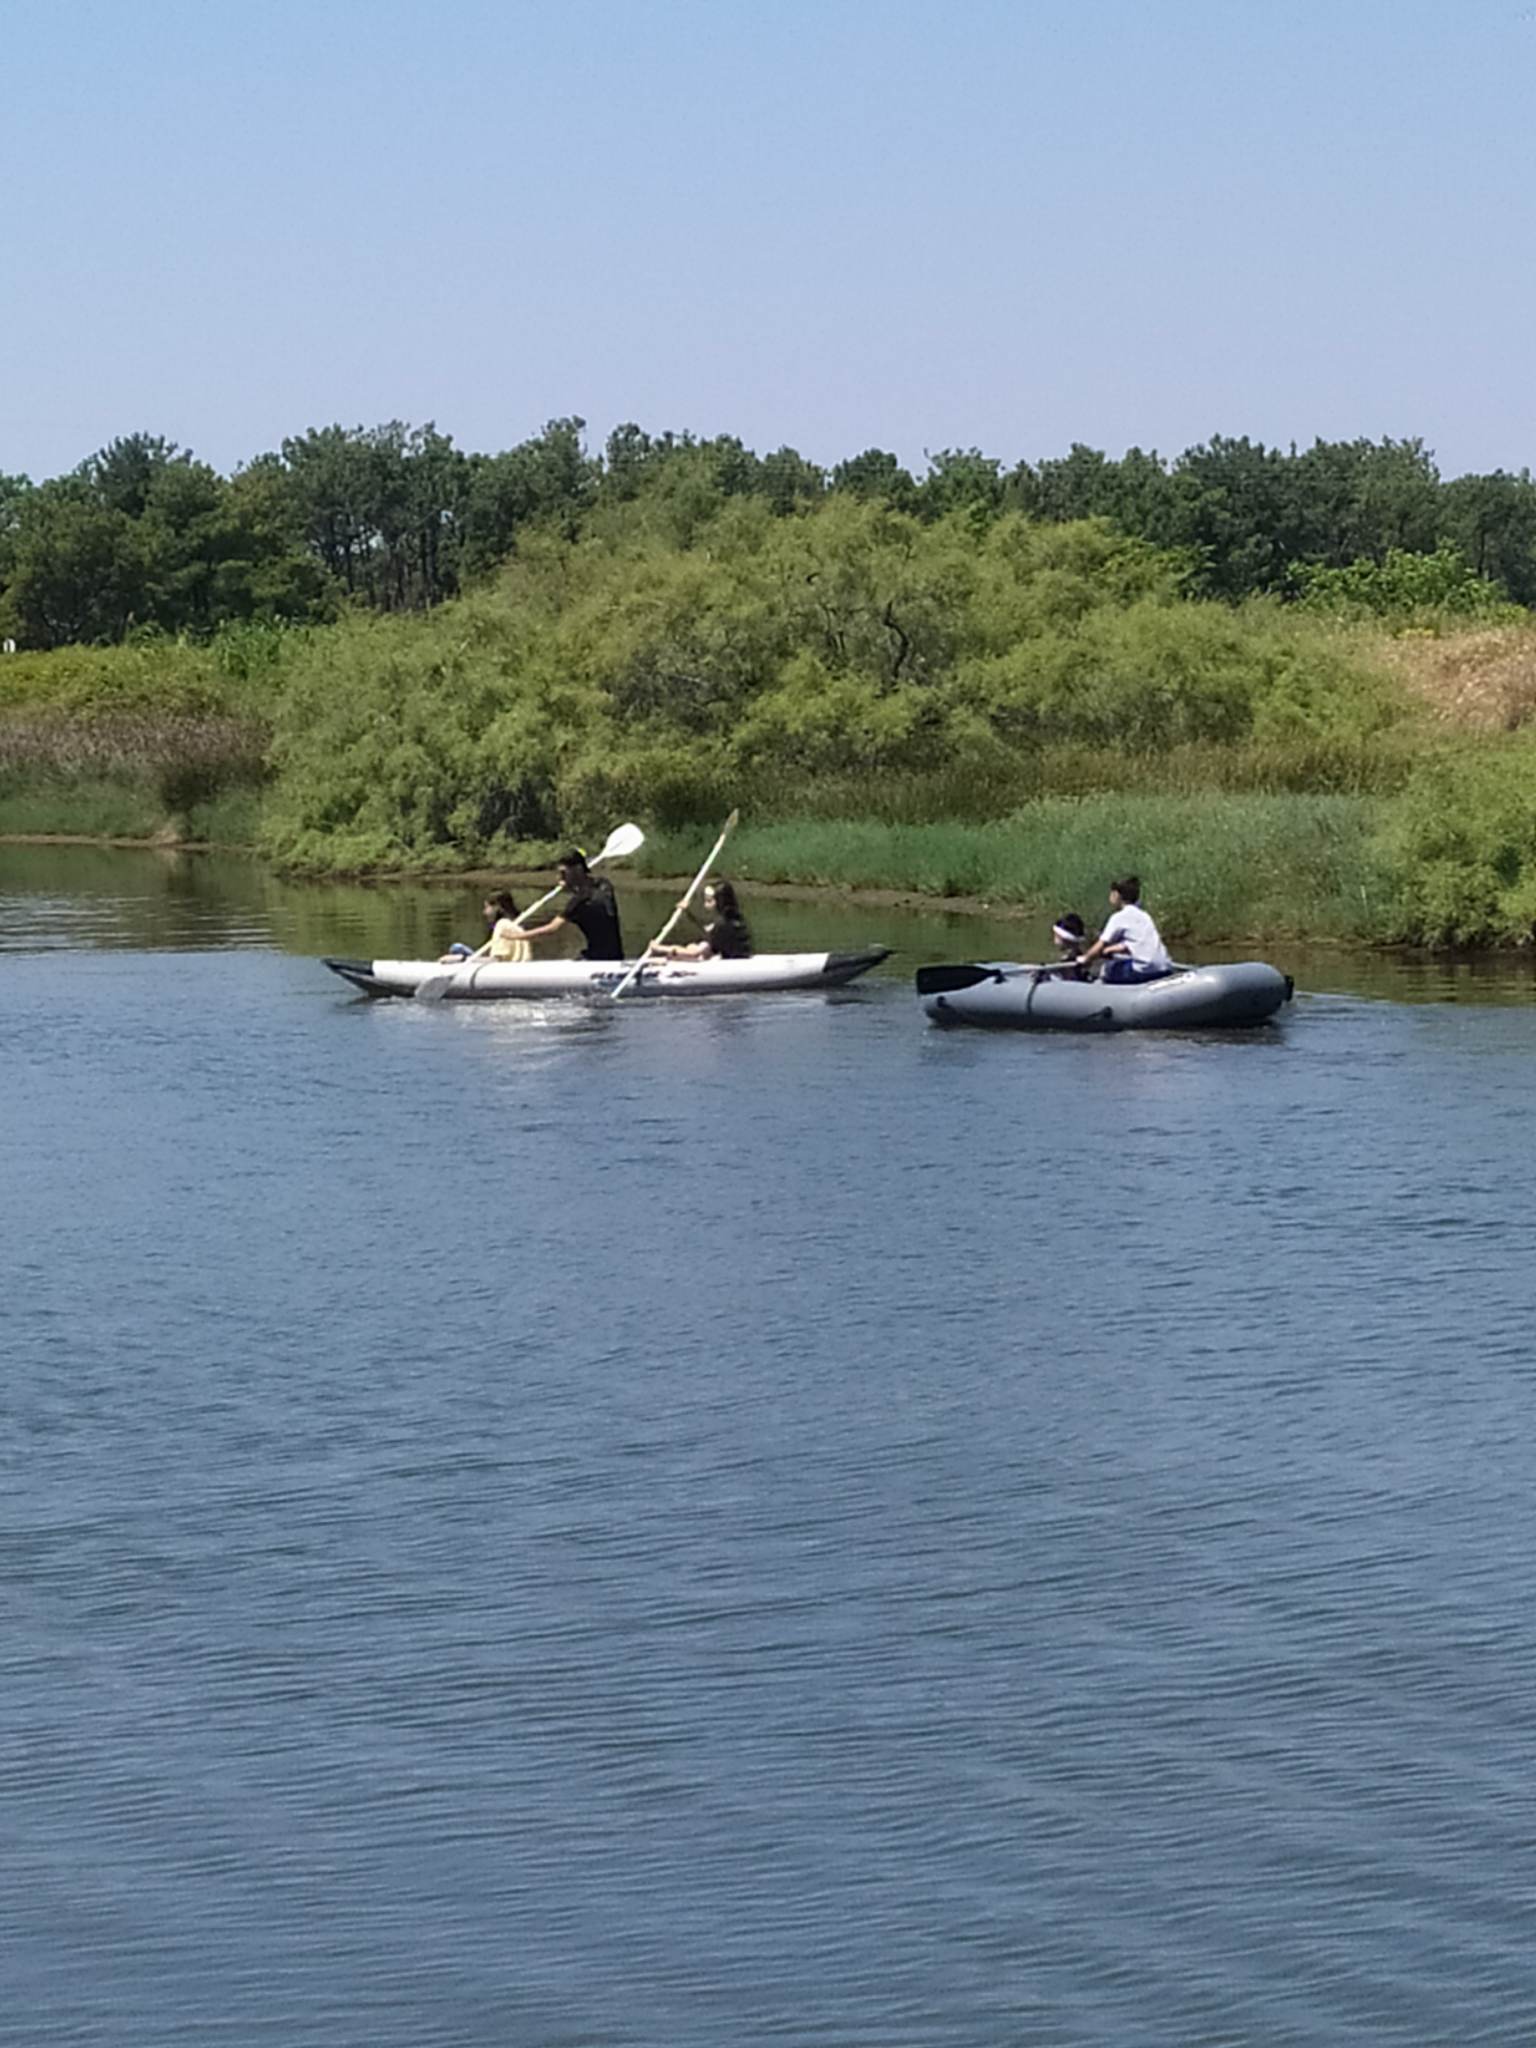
x: 1130, y: 942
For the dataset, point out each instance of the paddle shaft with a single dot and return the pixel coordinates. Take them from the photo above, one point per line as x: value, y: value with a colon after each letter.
x: 548, y: 897
x: 673, y: 921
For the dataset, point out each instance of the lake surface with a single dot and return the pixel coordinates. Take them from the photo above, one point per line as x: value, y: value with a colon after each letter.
x: 761, y: 1522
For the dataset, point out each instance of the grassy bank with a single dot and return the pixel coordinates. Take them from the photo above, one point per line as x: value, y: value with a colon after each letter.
x: 1410, y: 869
x: 121, y: 810
x: 1215, y: 867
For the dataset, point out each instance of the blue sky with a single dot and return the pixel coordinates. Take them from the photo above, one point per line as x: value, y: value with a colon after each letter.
x: 912, y: 225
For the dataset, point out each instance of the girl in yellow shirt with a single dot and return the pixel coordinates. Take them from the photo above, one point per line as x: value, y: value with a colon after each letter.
x: 506, y: 942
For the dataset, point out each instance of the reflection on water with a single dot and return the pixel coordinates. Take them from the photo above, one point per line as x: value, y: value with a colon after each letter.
x: 167, y: 901
x: 751, y: 1522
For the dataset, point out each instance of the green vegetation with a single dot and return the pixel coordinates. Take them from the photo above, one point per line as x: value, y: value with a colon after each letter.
x: 156, y: 738
x: 1460, y: 849
x: 945, y: 686
x: 1228, y: 866
x: 1411, y: 592
x: 851, y: 661
x: 118, y: 809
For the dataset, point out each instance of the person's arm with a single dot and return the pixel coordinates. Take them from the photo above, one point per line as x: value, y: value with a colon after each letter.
x: 542, y: 931
x: 701, y: 950
x: 1108, y: 941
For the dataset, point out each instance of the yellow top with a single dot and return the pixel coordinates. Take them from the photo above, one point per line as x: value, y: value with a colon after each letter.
x: 507, y: 942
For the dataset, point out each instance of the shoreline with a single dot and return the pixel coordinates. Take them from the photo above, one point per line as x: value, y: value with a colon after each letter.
x: 481, y: 877
x: 912, y: 901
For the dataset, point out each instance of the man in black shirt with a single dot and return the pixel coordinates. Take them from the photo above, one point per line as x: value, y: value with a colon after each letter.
x: 589, y: 906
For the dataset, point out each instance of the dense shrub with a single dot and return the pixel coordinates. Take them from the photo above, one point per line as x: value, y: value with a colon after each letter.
x: 1461, y: 849
x: 626, y: 673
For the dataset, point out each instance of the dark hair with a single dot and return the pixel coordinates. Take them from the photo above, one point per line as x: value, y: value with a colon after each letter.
x: 725, y: 900
x: 1129, y: 890
x: 576, y: 876
x: 575, y: 873
x: 1072, y: 923
x: 501, y: 902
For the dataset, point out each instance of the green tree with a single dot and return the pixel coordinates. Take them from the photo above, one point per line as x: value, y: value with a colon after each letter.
x: 790, y: 482
x: 631, y: 459
x: 77, y: 569
x: 334, y: 476
x: 13, y: 490
x: 1232, y: 509
x: 385, y: 510
x: 961, y: 479
x: 123, y: 475
x: 1136, y: 492
x: 1356, y: 500
x: 876, y: 475
x: 1491, y: 520
x: 549, y: 476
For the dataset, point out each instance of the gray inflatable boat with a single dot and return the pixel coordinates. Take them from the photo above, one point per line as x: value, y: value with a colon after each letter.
x: 1007, y: 994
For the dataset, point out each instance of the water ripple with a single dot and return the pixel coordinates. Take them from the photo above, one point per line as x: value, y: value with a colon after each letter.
x: 759, y: 1525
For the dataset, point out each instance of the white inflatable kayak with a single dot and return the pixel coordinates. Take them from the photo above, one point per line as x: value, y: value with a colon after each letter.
x: 1025, y: 998
x: 498, y: 981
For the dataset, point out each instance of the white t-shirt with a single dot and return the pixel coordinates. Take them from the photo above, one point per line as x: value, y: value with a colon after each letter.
x: 1131, y: 926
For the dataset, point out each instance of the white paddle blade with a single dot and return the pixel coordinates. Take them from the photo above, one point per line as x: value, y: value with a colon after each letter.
x: 622, y: 841
x: 435, y: 987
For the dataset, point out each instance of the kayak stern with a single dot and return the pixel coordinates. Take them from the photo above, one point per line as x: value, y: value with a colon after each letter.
x: 361, y: 976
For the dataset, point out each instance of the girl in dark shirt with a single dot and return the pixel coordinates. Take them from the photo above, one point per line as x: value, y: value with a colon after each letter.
x: 726, y: 936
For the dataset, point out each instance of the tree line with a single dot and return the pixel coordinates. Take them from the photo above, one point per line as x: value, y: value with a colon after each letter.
x: 145, y: 538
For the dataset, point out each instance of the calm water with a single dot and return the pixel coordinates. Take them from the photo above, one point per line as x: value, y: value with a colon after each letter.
x: 753, y: 1523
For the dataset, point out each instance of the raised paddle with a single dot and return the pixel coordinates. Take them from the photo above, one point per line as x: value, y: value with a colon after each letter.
x: 621, y: 841
x: 661, y: 937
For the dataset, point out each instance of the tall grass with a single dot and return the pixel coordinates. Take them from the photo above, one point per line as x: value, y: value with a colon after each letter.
x: 86, y: 810
x: 106, y: 809
x: 142, y: 745
x: 1212, y: 866
x: 989, y: 789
